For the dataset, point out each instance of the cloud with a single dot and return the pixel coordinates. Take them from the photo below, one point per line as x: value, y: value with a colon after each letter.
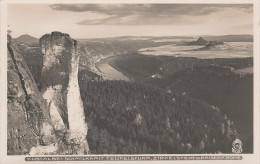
x: 147, y: 14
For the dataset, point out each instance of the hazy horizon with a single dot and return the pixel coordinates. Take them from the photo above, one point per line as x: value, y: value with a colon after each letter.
x: 195, y: 36
x: 84, y: 21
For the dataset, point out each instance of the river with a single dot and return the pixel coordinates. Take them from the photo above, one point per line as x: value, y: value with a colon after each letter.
x: 108, y: 72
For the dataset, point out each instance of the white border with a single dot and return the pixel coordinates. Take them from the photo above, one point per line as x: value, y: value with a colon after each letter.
x: 247, y: 158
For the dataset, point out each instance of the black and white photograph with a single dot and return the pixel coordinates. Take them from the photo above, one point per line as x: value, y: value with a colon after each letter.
x: 130, y: 81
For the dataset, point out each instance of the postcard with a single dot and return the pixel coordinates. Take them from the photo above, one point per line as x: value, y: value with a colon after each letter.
x: 130, y: 81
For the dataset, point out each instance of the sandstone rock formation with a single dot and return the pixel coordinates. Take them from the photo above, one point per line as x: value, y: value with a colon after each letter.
x: 29, y: 124
x: 51, y: 122
x: 59, y: 85
x: 199, y: 41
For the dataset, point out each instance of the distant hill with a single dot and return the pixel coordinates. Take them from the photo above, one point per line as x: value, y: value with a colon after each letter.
x: 27, y: 39
x: 200, y: 41
x: 230, y: 38
x: 215, y: 45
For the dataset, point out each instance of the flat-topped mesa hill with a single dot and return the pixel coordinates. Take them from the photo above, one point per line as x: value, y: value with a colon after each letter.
x: 216, y: 45
x: 208, y: 45
x: 60, y: 88
x: 200, y: 41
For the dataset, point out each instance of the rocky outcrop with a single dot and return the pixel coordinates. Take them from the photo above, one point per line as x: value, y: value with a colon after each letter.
x: 60, y: 88
x: 199, y: 41
x: 215, y: 46
x: 51, y: 122
x: 29, y: 124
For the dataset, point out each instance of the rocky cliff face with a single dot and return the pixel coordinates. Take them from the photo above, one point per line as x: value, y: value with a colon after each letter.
x: 51, y: 122
x: 29, y: 124
x: 60, y: 89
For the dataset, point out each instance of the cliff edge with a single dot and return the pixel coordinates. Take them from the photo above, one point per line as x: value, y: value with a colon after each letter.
x: 29, y: 124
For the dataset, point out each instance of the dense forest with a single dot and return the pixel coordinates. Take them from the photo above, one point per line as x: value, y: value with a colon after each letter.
x: 132, y: 118
x: 214, y: 81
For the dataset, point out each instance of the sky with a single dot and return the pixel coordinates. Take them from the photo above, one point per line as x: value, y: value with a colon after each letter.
x: 111, y: 20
